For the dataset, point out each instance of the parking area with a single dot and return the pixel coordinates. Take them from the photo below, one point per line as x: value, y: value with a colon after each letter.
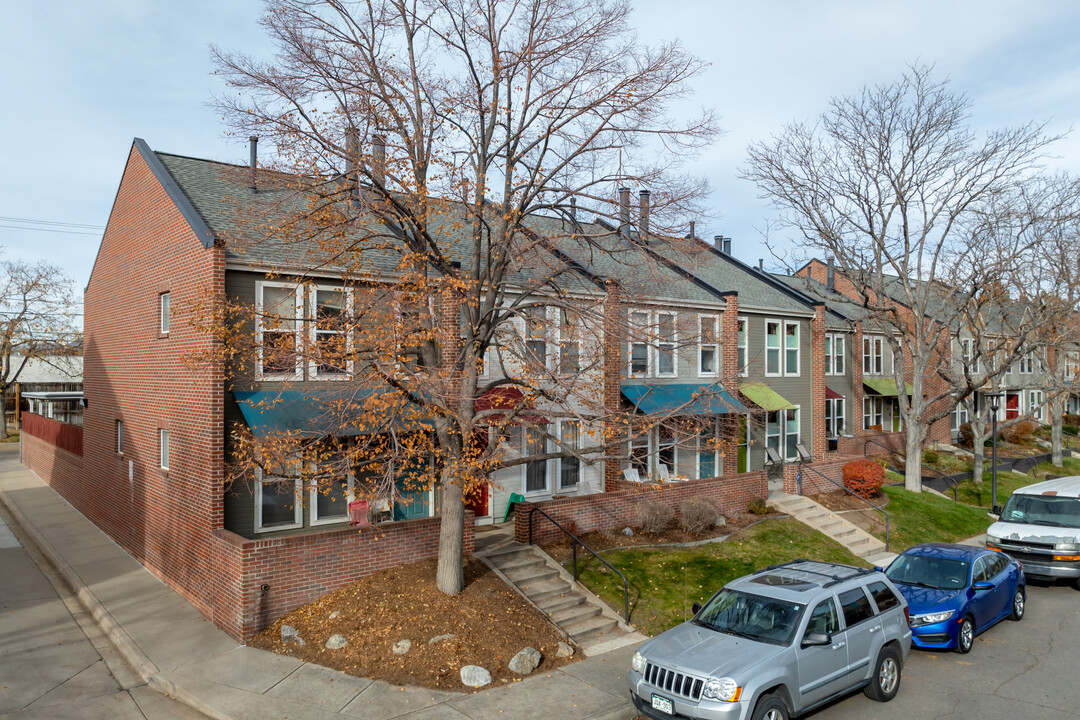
x: 1021, y: 669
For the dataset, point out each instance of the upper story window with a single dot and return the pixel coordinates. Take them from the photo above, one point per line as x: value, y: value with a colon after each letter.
x: 872, y: 352
x: 163, y: 449
x: 119, y: 437
x: 163, y: 307
x: 782, y: 353
x: 772, y: 347
x: 708, y: 345
x: 569, y: 342
x: 834, y: 354
x: 1072, y: 364
x: 278, y: 308
x: 791, y: 348
x: 536, y: 349
x: 665, y: 345
x: 1027, y: 363
x: 639, y: 346
x: 744, y: 328
x: 330, y: 336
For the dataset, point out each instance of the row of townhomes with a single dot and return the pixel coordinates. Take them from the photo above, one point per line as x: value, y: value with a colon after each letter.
x: 668, y: 361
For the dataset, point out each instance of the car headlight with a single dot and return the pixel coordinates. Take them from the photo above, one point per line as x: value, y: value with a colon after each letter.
x: 993, y: 540
x: 637, y: 663
x: 1067, y: 546
x: 724, y: 689
x: 931, y: 618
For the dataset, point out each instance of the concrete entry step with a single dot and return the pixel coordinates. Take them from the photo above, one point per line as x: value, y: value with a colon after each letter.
x: 817, y: 516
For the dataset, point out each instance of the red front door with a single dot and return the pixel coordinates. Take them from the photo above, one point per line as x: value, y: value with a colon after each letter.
x: 1012, y: 406
x: 476, y: 498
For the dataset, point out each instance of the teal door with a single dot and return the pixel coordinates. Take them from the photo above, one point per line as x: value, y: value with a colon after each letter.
x: 412, y: 499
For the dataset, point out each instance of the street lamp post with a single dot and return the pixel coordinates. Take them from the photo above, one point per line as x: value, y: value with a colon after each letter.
x: 995, y: 400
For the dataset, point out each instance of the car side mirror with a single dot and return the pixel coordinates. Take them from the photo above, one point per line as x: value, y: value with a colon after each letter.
x: 982, y: 585
x: 695, y: 608
x: 878, y: 568
x: 812, y: 639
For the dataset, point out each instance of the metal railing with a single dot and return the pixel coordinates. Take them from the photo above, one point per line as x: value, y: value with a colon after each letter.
x: 574, y: 542
x: 922, y: 466
x: 1070, y: 445
x: 849, y: 492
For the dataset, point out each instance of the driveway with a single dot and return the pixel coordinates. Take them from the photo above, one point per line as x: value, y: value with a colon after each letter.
x: 1016, y: 670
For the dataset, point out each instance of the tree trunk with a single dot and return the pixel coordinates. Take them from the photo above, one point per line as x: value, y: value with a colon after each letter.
x: 1055, y: 430
x: 978, y: 448
x: 913, y: 443
x: 3, y: 404
x: 450, y: 575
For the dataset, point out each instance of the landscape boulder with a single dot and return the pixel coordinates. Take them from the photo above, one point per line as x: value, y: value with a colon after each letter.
x: 402, y: 646
x: 289, y: 634
x: 336, y: 642
x: 475, y: 676
x: 526, y: 661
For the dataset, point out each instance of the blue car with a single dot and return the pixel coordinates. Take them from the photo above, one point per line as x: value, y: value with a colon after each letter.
x: 955, y: 592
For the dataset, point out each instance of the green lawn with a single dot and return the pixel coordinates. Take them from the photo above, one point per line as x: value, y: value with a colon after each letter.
x: 1069, y: 466
x: 924, y: 517
x: 664, y: 583
x: 980, y: 494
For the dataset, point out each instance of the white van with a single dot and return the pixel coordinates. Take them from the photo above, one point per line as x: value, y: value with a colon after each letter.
x: 1040, y: 527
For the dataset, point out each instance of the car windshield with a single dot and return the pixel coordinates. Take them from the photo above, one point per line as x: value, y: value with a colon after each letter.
x: 751, y: 616
x: 934, y: 572
x: 1043, y: 510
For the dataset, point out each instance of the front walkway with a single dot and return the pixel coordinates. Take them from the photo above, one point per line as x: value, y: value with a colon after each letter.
x: 176, y: 650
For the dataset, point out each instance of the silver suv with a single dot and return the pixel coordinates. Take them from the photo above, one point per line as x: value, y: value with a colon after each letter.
x: 776, y: 644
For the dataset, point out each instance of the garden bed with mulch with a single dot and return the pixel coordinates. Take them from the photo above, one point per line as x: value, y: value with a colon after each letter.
x: 489, y: 624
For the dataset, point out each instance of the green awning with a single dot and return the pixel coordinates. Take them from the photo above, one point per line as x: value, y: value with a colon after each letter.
x: 682, y: 399
x: 885, y: 387
x: 765, y: 397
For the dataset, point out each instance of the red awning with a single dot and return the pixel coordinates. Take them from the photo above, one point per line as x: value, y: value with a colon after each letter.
x: 507, y: 397
x: 831, y: 394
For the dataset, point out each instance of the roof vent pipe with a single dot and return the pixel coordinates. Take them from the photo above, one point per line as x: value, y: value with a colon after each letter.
x: 378, y: 159
x: 643, y: 216
x: 253, y: 151
x: 624, y: 212
x: 727, y: 246
x: 761, y: 264
x: 693, y: 234
x: 831, y: 275
x: 718, y: 242
x: 573, y: 208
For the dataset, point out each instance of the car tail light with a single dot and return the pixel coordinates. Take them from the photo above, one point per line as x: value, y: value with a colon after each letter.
x: 907, y: 615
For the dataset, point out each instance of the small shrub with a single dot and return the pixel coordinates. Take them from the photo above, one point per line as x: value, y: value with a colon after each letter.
x: 1021, y: 432
x: 967, y: 437
x: 1070, y: 419
x: 864, y: 478
x: 1071, y: 429
x: 654, y: 517
x: 757, y: 506
x: 697, y: 515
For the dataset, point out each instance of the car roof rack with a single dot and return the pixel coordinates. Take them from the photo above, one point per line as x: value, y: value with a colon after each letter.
x: 832, y: 579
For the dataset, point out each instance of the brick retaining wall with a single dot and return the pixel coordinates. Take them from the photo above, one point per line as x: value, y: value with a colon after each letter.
x: 856, y: 445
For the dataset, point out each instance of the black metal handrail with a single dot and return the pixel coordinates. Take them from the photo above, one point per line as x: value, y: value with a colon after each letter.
x: 922, y: 466
x: 574, y: 542
x: 1070, y: 435
x: 849, y: 492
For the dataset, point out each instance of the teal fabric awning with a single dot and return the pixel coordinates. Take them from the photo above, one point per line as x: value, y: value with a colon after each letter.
x: 311, y: 414
x: 682, y: 399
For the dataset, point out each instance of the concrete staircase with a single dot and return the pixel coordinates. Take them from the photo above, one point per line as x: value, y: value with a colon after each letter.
x: 817, y: 516
x: 582, y: 617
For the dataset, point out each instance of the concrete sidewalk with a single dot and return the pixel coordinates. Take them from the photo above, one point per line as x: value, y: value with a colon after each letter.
x: 177, y: 651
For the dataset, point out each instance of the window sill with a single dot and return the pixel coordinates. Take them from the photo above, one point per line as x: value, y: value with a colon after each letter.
x: 275, y: 528
x: 162, y: 336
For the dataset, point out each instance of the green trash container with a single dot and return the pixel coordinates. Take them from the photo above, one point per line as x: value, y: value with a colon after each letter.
x: 514, y: 498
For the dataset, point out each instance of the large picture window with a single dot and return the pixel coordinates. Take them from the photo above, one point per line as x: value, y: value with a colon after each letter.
x: 277, y: 503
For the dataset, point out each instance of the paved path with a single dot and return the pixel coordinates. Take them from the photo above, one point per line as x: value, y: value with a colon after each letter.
x: 54, y: 661
x: 172, y: 647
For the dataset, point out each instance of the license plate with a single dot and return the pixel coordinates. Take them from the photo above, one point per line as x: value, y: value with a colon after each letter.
x: 663, y: 704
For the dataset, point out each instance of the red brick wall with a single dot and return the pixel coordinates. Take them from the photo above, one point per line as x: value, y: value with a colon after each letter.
x: 615, y: 429
x: 729, y: 347
x: 66, y: 437
x: 812, y: 482
x: 132, y: 373
x: 300, y: 568
x: 63, y: 470
x: 817, y: 385
x: 611, y: 510
x: 865, y: 444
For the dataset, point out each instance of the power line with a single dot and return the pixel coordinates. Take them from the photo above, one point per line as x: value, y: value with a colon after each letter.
x: 51, y: 222
x: 66, y: 232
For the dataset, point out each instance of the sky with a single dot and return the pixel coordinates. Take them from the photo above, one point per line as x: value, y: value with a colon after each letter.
x: 81, y: 80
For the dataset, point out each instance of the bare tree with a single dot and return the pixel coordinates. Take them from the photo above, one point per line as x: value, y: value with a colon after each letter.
x: 894, y: 183
x: 38, y: 320
x: 443, y: 146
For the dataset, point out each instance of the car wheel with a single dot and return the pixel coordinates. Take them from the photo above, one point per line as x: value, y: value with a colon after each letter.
x: 965, y: 638
x: 1018, y: 605
x: 771, y: 707
x: 885, y: 682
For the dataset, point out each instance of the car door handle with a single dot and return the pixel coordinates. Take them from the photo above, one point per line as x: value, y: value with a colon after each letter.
x: 875, y: 628
x: 837, y: 646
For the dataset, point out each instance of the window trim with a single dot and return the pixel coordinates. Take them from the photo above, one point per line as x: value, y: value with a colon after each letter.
x: 546, y: 490
x: 313, y: 490
x: 673, y: 343
x: 298, y: 504
x: 163, y: 449
x: 880, y: 403
x: 531, y: 362
x: 835, y: 354
x: 559, y: 461
x: 798, y: 431
x: 742, y: 344
x: 1036, y: 406
x: 636, y: 340
x: 560, y: 313
x: 779, y: 348
x: 313, y: 362
x: 797, y: 348
x: 830, y: 414
x: 875, y: 357
x: 164, y: 308
x: 715, y: 345
x: 715, y: 436
x: 120, y: 437
x: 298, y: 298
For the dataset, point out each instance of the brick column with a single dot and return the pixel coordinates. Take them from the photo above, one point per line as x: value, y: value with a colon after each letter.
x: 729, y: 372
x: 817, y: 386
x: 614, y: 427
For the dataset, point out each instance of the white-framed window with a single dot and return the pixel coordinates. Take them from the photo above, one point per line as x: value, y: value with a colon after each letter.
x: 708, y: 345
x: 791, y: 433
x: 569, y: 467
x: 569, y: 342
x: 898, y: 352
x: 536, y: 338
x: 1027, y: 363
x: 1035, y: 404
x: 743, y: 345
x: 1072, y: 364
x: 666, y: 361
x: 772, y: 348
x: 782, y: 432
x: 839, y: 348
x: 536, y: 471
x: 639, y: 454
x: 665, y: 448
x: 792, y: 351
x: 707, y: 456
x: 639, y: 346
x: 163, y: 448
x: 278, y: 505
x: 278, y: 307
x: 163, y: 308
x: 329, y: 499
x: 119, y: 437
x: 872, y: 351
x: 873, y: 412
x: 330, y: 334
x: 835, y: 416
x: 774, y: 430
x: 958, y: 417
x: 828, y: 354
